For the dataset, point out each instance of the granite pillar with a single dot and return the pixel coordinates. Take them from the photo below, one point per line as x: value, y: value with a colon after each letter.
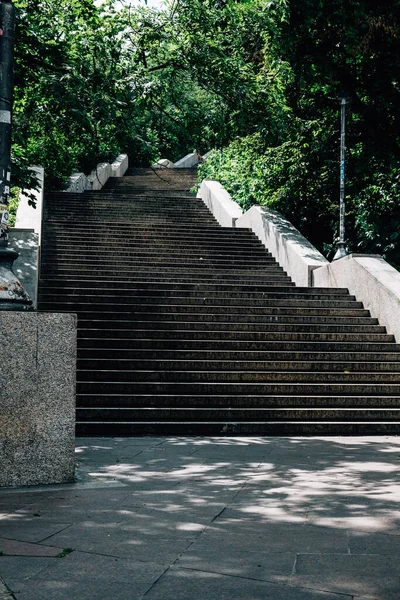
x: 37, y: 398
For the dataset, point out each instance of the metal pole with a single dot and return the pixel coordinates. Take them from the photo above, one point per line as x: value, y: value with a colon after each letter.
x: 341, y: 245
x: 12, y: 294
x: 7, y: 42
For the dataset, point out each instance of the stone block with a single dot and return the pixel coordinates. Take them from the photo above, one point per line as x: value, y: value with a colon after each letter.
x: 287, y: 245
x: 187, y: 162
x: 77, y: 183
x: 37, y: 405
x: 120, y: 166
x: 220, y: 203
x: 99, y: 177
x: 372, y: 280
x: 163, y: 163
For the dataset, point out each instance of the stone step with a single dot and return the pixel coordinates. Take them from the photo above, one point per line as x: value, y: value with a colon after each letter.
x: 260, y: 366
x: 118, y: 372
x: 106, y: 325
x: 71, y: 252
x: 206, y: 317
x: 187, y: 303
x: 234, y: 335
x: 106, y: 387
x: 149, y: 343
x: 249, y: 428
x: 194, y: 261
x: 235, y: 414
x: 61, y: 306
x: 122, y: 295
x: 197, y: 274
x: 265, y: 277
x: 275, y: 355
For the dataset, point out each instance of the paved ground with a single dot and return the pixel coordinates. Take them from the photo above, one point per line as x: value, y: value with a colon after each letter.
x: 210, y: 518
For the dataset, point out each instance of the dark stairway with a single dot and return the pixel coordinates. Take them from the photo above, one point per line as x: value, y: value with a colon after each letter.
x: 185, y: 327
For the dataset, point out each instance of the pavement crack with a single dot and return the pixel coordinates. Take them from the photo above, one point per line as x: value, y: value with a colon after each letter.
x: 217, y: 516
x: 53, y: 534
x: 156, y: 581
x: 294, y: 566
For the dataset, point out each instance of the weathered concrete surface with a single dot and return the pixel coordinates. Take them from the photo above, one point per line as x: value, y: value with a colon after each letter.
x: 99, y: 177
x: 372, y: 280
x: 77, y: 183
x: 187, y: 162
x: 220, y: 203
x: 288, y: 246
x: 26, y: 243
x: 27, y: 216
x: 37, y: 402
x: 163, y: 163
x: 221, y: 518
x: 120, y: 166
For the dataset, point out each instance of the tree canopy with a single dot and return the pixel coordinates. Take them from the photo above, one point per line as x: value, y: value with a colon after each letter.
x: 257, y: 80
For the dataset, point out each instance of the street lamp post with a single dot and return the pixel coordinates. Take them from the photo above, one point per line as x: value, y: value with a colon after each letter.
x: 7, y: 42
x: 12, y: 294
x: 341, y: 244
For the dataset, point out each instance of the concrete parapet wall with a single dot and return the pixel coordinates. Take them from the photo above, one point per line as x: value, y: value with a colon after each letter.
x: 27, y: 216
x: 79, y: 183
x: 187, y: 162
x: 26, y: 243
x: 287, y: 245
x: 372, y: 280
x: 163, y: 163
x: 99, y: 177
x: 220, y: 203
x: 37, y: 402
x: 120, y: 166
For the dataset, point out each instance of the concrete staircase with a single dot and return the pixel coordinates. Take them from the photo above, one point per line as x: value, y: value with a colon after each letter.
x: 185, y: 327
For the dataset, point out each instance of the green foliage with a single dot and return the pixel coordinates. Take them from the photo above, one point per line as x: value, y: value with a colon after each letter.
x: 331, y: 48
x: 13, y: 205
x: 256, y: 79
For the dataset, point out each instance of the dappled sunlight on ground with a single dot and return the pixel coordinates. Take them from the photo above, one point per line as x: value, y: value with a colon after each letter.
x: 296, y: 513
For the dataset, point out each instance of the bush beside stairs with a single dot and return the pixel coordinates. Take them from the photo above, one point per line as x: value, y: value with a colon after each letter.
x: 186, y: 327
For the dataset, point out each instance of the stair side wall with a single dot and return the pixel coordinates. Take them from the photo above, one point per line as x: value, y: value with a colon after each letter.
x: 372, y: 280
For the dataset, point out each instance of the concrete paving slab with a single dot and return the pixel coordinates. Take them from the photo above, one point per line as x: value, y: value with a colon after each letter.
x: 238, y: 562
x: 374, y: 543
x: 82, y: 589
x: 23, y: 567
x: 16, y: 548
x: 112, y: 539
x: 182, y: 584
x: 30, y: 529
x: 370, y: 576
x: 278, y: 536
x: 75, y: 513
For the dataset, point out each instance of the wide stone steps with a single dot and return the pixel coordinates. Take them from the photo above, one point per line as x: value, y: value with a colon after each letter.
x: 93, y: 351
x: 261, y: 414
x: 264, y: 367
x: 186, y: 327
x: 100, y: 386
x: 340, y: 426
x: 113, y: 372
